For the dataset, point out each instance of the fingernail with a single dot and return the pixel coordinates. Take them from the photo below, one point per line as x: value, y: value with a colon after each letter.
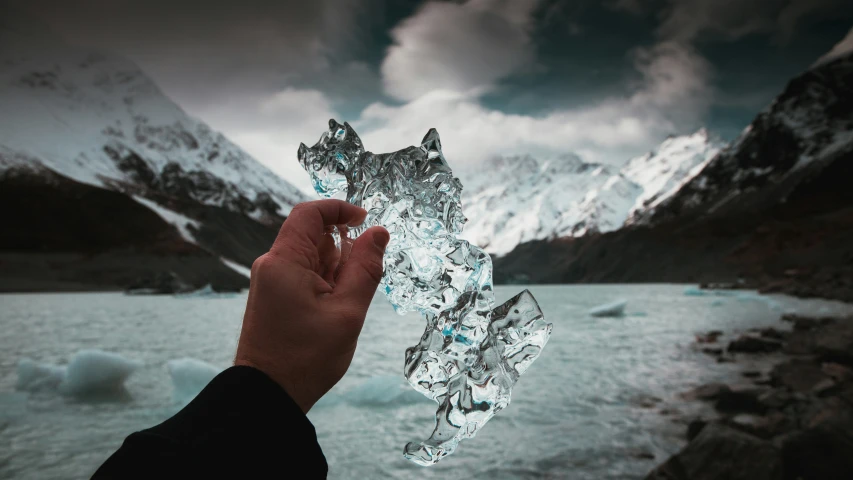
x: 381, y: 238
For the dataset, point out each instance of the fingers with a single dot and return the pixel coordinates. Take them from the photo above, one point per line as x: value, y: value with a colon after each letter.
x: 359, y: 277
x: 329, y: 256
x: 307, y: 220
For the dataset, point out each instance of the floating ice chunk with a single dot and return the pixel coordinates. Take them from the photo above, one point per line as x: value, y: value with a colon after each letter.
x: 89, y: 372
x: 38, y: 377
x: 615, y: 309
x: 471, y: 354
x: 382, y: 391
x: 755, y: 297
x: 96, y: 372
x: 189, y: 377
x: 708, y: 292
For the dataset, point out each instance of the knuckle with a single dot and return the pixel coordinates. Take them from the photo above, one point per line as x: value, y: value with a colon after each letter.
x: 259, y: 264
x: 263, y: 265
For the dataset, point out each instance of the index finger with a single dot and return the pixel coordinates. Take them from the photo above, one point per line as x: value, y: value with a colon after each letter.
x: 309, y: 219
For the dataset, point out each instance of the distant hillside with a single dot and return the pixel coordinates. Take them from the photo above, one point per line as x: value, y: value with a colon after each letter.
x: 519, y: 199
x: 774, y: 209
x: 78, y: 127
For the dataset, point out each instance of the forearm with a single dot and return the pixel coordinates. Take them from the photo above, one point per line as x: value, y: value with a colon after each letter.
x: 241, y: 425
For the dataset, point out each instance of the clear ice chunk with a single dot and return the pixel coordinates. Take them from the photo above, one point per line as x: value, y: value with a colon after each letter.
x: 471, y: 353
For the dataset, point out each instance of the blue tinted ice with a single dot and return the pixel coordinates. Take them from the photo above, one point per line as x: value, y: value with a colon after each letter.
x: 471, y: 353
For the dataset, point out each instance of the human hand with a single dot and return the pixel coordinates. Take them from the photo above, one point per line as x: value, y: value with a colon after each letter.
x: 304, y: 314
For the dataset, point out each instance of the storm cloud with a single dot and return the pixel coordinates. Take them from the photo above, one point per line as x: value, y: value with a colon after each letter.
x: 606, y: 80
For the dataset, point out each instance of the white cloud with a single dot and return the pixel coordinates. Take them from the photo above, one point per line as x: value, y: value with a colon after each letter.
x: 458, y: 47
x: 270, y: 127
x: 671, y: 97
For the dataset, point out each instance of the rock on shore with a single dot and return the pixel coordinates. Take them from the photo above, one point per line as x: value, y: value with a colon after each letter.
x: 797, y: 424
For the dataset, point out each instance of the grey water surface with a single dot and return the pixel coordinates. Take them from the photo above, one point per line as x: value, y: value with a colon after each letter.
x: 598, y: 404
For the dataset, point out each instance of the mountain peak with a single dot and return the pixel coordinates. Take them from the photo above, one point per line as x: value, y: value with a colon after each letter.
x: 843, y: 48
x: 99, y: 119
x: 527, y: 199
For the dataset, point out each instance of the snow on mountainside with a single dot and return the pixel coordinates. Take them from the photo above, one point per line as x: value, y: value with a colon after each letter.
x: 523, y: 199
x: 664, y: 170
x: 98, y: 119
x: 806, y: 129
x: 108, y: 184
x: 773, y: 211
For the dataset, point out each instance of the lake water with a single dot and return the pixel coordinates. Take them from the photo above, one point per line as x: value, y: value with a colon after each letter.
x: 595, y: 405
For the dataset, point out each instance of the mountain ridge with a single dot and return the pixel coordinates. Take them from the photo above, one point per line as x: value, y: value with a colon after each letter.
x: 773, y: 210
x: 79, y: 124
x: 521, y: 198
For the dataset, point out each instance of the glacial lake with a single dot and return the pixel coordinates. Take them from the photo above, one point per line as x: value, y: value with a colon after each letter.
x: 602, y: 402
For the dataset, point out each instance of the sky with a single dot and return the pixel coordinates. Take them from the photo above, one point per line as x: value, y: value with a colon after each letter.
x: 604, y: 79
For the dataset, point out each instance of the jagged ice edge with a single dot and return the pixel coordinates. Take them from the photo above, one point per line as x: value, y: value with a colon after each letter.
x: 470, y: 354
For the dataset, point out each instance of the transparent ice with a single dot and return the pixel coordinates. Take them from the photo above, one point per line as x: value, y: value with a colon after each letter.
x: 471, y: 354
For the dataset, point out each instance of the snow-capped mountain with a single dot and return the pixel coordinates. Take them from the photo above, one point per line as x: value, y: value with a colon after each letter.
x: 97, y: 118
x: 773, y: 210
x: 113, y: 182
x: 663, y: 171
x: 522, y: 198
x: 807, y: 129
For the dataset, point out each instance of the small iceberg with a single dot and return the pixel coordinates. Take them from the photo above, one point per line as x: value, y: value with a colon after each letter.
x: 189, y: 377
x: 615, y: 309
x: 38, y: 377
x: 384, y: 391
x: 89, y: 373
x: 708, y: 292
x: 96, y: 371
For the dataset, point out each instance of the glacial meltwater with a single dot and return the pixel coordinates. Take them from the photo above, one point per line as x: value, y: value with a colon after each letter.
x: 602, y: 403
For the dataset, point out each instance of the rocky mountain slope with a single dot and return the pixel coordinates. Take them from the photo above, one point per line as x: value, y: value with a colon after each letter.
x: 78, y: 124
x: 774, y: 209
x: 519, y: 199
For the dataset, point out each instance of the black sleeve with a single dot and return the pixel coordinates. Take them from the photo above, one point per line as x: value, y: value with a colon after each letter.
x: 242, y: 425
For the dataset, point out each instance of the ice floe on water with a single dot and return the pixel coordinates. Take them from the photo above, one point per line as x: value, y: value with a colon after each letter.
x: 613, y: 309
x: 379, y: 391
x: 189, y: 377
x: 756, y: 297
x: 96, y: 371
x: 90, y: 372
x: 708, y: 292
x: 38, y: 377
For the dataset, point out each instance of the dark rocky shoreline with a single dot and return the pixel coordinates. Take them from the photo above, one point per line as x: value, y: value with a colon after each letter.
x: 793, y: 422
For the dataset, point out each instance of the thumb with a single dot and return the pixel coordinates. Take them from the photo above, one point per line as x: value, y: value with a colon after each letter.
x: 359, y: 277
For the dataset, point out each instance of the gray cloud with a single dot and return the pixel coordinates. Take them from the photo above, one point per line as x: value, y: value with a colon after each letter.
x: 199, y: 50
x: 687, y: 20
x: 270, y: 73
x: 458, y: 47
